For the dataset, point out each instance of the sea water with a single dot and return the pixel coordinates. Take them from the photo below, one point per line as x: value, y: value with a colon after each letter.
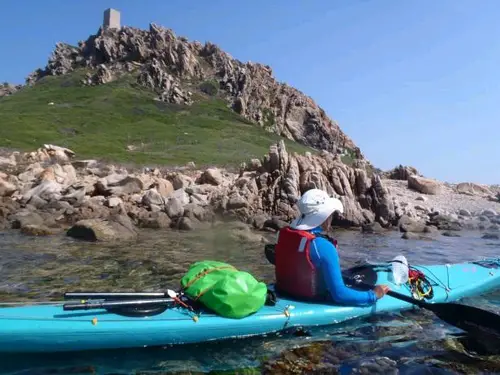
x: 37, y: 268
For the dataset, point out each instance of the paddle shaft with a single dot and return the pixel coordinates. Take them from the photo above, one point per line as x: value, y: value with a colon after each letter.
x: 392, y: 294
x: 413, y: 301
x: 122, y: 295
x: 103, y: 305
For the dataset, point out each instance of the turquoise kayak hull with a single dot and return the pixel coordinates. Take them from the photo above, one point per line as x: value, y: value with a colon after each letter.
x: 48, y: 328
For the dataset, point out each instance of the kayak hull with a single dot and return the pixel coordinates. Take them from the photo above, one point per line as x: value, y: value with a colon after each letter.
x: 48, y: 328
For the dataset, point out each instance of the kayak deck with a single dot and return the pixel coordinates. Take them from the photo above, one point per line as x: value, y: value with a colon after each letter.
x: 48, y: 328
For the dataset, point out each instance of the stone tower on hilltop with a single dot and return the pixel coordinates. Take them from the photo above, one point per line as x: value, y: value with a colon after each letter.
x: 111, y: 19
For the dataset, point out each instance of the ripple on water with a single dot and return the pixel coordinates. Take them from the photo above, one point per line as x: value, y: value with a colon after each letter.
x: 45, y: 267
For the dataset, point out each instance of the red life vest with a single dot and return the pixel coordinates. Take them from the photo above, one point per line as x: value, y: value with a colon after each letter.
x: 295, y: 273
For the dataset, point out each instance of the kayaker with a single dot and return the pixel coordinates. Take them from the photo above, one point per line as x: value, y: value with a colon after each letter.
x: 306, y: 260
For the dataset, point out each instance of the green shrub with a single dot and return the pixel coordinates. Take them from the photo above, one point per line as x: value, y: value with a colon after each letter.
x: 210, y: 87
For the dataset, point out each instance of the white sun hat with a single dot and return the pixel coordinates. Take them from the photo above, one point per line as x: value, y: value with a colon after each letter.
x: 315, y: 207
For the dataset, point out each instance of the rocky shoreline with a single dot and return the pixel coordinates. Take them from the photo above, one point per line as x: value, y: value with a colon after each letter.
x: 48, y: 191
x: 449, y: 209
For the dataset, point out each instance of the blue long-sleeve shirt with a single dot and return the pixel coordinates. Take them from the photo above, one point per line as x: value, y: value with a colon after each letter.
x: 325, y: 258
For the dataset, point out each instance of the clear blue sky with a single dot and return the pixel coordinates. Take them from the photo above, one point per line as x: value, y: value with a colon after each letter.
x: 412, y: 82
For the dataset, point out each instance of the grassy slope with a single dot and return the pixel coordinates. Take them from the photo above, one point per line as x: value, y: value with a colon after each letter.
x: 99, y: 122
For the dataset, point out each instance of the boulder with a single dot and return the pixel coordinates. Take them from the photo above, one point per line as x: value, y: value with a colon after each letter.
x: 8, y: 207
x: 180, y: 181
x: 212, y: 176
x: 61, y: 154
x: 26, y: 218
x: 174, y: 208
x: 414, y: 236
x: 197, y: 213
x: 185, y: 223
x: 38, y: 230
x: 445, y: 222
x: 81, y: 164
x: 464, y: 212
x: 470, y: 188
x: 74, y: 196
x: 114, y: 229
x: 181, y: 195
x: 154, y: 220
x: 163, y: 187
x: 274, y: 224
x: 128, y: 185
x: 152, y: 197
x: 489, y: 213
x: 424, y: 185
x: 30, y: 173
x: 46, y: 190
x: 414, y: 227
x: 401, y: 173
x: 431, y: 229
x: 372, y: 228
x: 6, y: 188
x: 112, y: 202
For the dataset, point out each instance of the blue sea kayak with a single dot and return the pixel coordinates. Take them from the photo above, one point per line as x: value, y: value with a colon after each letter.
x: 49, y: 328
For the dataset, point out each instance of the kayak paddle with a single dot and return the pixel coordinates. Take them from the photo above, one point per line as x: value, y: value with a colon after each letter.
x: 121, y: 295
x: 111, y: 304
x: 134, y: 304
x: 468, y: 318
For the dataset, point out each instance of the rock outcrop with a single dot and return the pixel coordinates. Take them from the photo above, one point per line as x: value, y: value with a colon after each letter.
x: 470, y: 188
x: 274, y: 187
x: 105, y: 202
x: 170, y: 64
x: 401, y: 173
x: 7, y: 89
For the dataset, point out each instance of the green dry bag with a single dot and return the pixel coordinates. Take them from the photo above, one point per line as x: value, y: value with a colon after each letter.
x: 223, y: 289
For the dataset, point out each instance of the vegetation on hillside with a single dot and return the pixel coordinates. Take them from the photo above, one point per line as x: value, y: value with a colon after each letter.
x: 121, y: 121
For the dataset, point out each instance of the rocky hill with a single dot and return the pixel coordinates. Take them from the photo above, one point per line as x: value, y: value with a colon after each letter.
x: 151, y: 97
x: 176, y: 68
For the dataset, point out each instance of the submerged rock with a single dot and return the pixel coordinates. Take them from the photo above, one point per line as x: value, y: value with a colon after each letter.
x: 117, y: 228
x: 377, y: 365
x: 372, y: 228
x: 38, y: 230
x: 415, y: 236
x: 154, y: 220
x: 450, y: 234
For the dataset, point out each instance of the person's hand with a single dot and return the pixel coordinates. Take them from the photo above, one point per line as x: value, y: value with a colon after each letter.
x: 381, y: 290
